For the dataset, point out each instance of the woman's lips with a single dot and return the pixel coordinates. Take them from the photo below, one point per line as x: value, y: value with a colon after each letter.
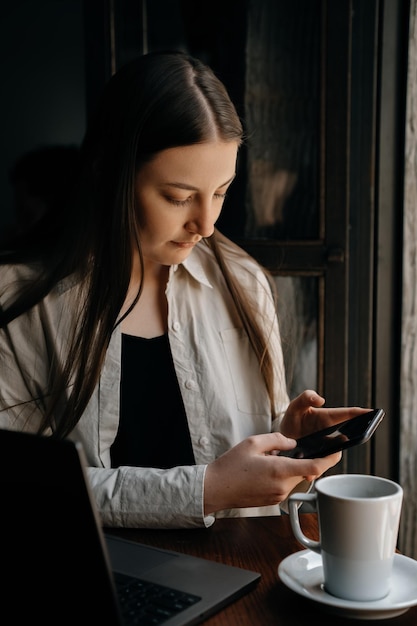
x: 185, y: 244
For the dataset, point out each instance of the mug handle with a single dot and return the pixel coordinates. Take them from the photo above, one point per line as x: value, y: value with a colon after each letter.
x: 294, y: 500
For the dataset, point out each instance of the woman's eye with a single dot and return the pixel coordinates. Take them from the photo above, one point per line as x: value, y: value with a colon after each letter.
x: 186, y: 201
x: 220, y: 196
x: 177, y: 202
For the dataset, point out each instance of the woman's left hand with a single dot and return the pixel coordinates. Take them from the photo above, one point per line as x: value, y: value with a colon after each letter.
x: 305, y: 414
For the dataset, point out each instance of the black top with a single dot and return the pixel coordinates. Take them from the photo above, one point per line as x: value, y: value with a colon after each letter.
x: 153, y: 429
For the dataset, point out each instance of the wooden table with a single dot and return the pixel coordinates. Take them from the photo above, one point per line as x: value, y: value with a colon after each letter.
x: 259, y: 544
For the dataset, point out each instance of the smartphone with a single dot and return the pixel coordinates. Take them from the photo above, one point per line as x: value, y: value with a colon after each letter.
x: 352, y: 432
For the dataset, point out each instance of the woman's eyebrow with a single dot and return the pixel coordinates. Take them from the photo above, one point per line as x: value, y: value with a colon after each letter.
x: 192, y: 188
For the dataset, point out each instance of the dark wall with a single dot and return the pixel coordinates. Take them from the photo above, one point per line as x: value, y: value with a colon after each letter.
x: 42, y: 82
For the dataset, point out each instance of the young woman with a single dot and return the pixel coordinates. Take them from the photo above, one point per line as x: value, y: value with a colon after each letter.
x: 130, y: 323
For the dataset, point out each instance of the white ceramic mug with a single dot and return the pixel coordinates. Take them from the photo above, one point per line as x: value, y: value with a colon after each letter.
x: 359, y: 517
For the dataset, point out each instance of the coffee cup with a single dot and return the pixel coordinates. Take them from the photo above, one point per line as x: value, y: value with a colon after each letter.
x: 359, y: 517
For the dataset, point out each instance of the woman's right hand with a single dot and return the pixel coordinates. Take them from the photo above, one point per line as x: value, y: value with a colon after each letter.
x: 252, y: 474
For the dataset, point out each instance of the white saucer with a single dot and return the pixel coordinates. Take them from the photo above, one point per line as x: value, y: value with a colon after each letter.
x: 303, y: 573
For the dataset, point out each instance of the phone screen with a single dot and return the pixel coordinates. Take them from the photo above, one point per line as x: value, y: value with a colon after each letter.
x: 338, y: 437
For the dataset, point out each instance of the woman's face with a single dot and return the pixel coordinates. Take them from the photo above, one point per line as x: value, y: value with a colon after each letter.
x: 179, y: 196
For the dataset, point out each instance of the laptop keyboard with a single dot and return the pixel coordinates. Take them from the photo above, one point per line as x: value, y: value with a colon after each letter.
x: 144, y: 603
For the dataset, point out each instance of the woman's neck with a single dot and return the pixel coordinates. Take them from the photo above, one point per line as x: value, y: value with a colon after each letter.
x: 149, y: 316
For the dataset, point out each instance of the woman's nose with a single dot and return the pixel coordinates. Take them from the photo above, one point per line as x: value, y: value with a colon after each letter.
x: 203, y: 219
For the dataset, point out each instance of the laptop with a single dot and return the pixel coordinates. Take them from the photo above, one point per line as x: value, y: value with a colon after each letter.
x: 58, y: 565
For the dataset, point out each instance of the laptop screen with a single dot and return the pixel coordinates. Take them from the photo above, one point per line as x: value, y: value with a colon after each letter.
x: 52, y: 563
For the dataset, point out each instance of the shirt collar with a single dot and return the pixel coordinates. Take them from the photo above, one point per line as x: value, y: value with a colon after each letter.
x: 193, y: 265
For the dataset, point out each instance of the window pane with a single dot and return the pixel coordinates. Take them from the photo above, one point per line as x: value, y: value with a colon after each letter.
x: 297, y: 312
x: 282, y: 105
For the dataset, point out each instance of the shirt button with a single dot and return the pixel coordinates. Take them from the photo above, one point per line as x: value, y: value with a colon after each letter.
x: 191, y: 384
x: 204, y: 442
x: 176, y: 325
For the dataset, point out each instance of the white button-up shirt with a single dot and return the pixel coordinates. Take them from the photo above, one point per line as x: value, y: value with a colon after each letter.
x: 223, y: 392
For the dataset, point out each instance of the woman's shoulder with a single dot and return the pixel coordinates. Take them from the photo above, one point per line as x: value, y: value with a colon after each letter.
x: 21, y: 277
x: 14, y: 278
x: 19, y: 272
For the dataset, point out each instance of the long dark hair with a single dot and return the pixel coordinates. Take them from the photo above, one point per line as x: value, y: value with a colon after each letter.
x: 158, y: 101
